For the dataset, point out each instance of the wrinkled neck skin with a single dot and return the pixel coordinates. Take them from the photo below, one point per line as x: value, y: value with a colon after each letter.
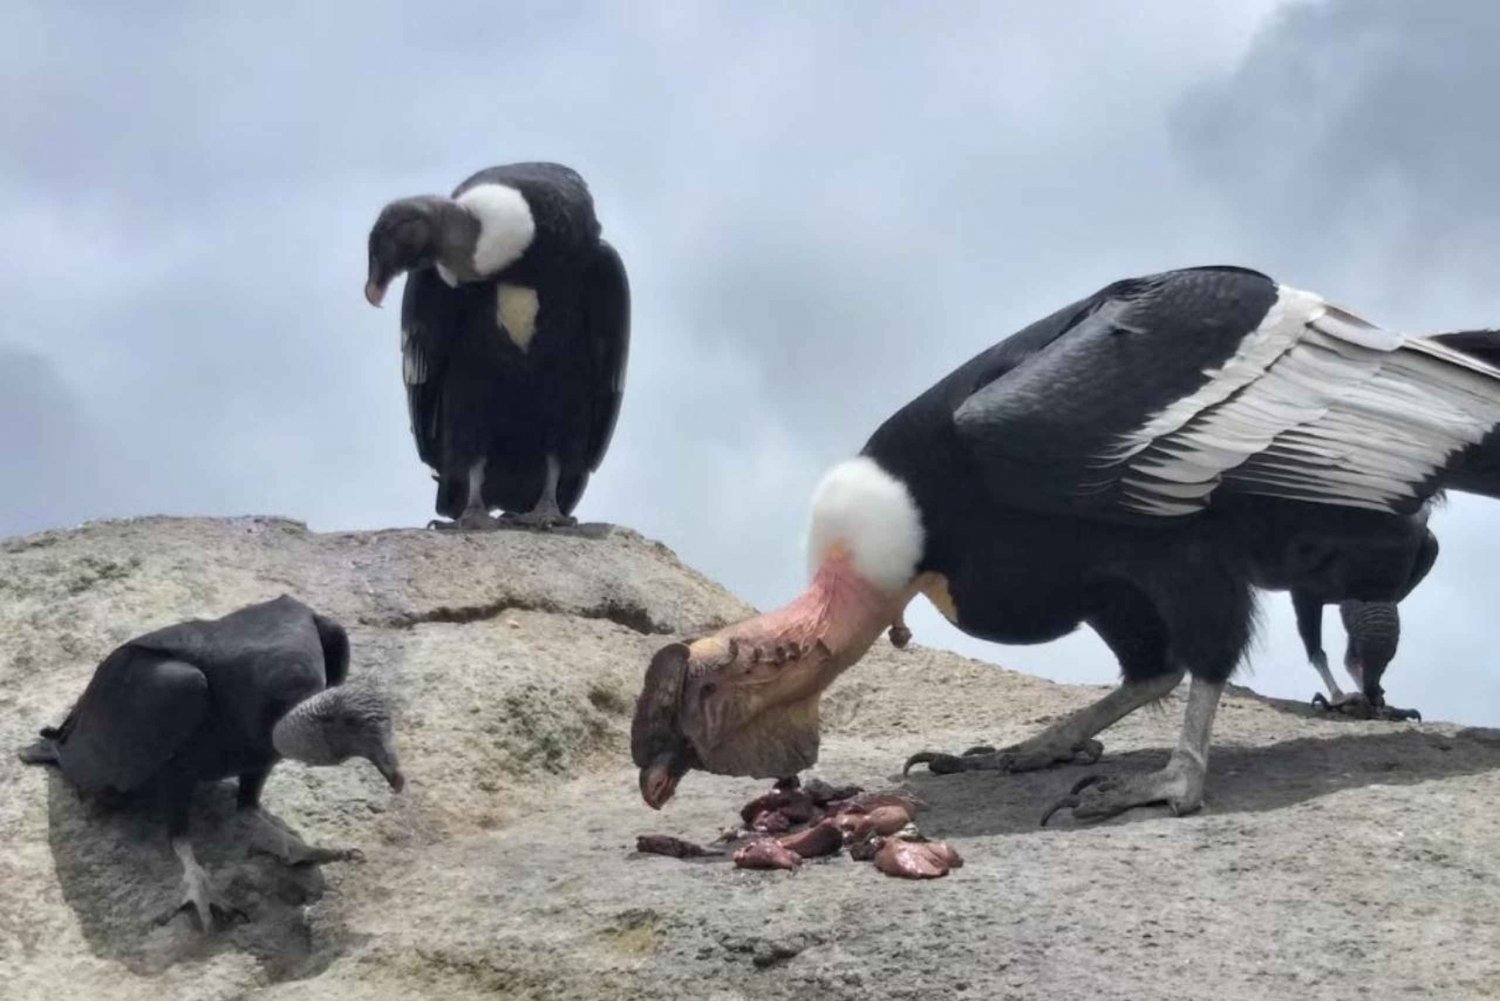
x: 750, y: 703
x: 300, y: 735
x: 839, y: 610
x: 457, y: 234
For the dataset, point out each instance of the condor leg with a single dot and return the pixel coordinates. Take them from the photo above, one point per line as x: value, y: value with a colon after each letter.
x: 271, y: 838
x: 546, y: 513
x: 1069, y: 739
x: 1127, y: 622
x: 1179, y: 784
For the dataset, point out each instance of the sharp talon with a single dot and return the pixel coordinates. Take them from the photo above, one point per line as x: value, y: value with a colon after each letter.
x: 354, y: 855
x: 978, y: 749
x: 1066, y: 803
x: 1091, y: 749
x: 1084, y: 783
x: 1320, y: 702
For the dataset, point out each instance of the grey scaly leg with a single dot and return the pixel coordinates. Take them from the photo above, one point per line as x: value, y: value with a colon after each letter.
x: 475, y: 517
x: 1179, y: 784
x: 546, y: 513
x: 1320, y: 663
x: 197, y: 889
x: 1061, y: 742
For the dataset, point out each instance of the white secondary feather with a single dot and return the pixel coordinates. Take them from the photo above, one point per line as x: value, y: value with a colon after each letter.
x: 871, y: 513
x: 506, y: 226
x: 1319, y: 405
x: 413, y: 360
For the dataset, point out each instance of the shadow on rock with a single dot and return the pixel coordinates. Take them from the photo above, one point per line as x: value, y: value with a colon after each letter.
x: 118, y: 874
x: 1240, y: 780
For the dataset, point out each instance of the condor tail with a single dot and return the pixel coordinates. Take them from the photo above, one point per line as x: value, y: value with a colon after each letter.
x: 41, y: 752
x: 1478, y: 471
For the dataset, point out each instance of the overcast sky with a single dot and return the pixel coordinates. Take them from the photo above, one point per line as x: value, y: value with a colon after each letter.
x: 822, y: 207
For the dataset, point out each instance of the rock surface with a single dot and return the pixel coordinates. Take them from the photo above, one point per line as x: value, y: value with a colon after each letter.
x: 1335, y: 859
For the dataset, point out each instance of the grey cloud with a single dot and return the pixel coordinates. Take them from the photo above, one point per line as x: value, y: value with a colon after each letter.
x: 52, y: 471
x: 1360, y: 135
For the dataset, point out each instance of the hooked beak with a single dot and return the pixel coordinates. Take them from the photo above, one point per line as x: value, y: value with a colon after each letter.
x: 375, y: 285
x: 658, y: 784
x: 385, y: 760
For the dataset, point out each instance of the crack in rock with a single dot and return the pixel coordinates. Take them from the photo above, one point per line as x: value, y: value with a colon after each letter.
x: 631, y: 616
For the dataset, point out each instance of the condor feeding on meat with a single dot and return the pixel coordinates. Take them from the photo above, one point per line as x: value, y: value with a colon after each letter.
x: 515, y: 327
x: 1373, y: 628
x: 1136, y: 461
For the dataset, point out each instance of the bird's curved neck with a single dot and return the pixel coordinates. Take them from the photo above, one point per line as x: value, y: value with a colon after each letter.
x: 299, y: 734
x: 839, y: 616
x: 455, y: 242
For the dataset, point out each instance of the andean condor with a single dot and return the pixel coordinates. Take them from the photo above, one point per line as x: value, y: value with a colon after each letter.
x: 1137, y: 461
x: 210, y: 699
x: 515, y: 328
x: 1373, y: 628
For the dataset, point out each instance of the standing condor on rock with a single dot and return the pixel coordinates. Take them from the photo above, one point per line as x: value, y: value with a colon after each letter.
x: 515, y: 328
x: 209, y: 699
x: 1373, y: 628
x: 1138, y: 461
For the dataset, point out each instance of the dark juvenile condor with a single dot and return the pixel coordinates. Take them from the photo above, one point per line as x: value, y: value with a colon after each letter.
x: 515, y: 328
x: 1138, y: 461
x: 210, y: 699
x: 1373, y: 628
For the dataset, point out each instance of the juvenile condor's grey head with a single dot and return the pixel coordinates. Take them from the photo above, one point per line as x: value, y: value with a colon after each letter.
x: 338, y: 724
x: 413, y: 233
x: 1374, y: 632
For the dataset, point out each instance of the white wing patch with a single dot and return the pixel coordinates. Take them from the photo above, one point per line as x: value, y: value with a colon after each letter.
x: 413, y: 360
x: 515, y: 310
x: 1316, y: 405
x: 506, y: 227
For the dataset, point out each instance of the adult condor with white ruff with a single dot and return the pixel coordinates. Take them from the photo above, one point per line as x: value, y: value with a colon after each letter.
x: 515, y: 329
x: 1136, y: 461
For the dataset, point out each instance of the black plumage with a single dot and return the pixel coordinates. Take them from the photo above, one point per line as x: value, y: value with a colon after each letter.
x: 202, y: 701
x: 515, y: 338
x: 1046, y: 506
x: 1319, y: 576
x: 1140, y: 462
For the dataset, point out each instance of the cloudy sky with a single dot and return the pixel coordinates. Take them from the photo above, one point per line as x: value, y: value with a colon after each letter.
x: 823, y: 208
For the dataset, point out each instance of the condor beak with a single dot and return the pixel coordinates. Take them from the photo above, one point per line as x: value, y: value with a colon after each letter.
x: 390, y: 767
x: 375, y: 285
x: 658, y: 784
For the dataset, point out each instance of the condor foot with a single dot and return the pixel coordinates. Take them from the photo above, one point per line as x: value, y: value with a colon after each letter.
x: 269, y: 837
x: 468, y: 521
x: 1359, y: 706
x: 199, y: 899
x: 1027, y: 756
x: 1098, y: 797
x: 543, y: 520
